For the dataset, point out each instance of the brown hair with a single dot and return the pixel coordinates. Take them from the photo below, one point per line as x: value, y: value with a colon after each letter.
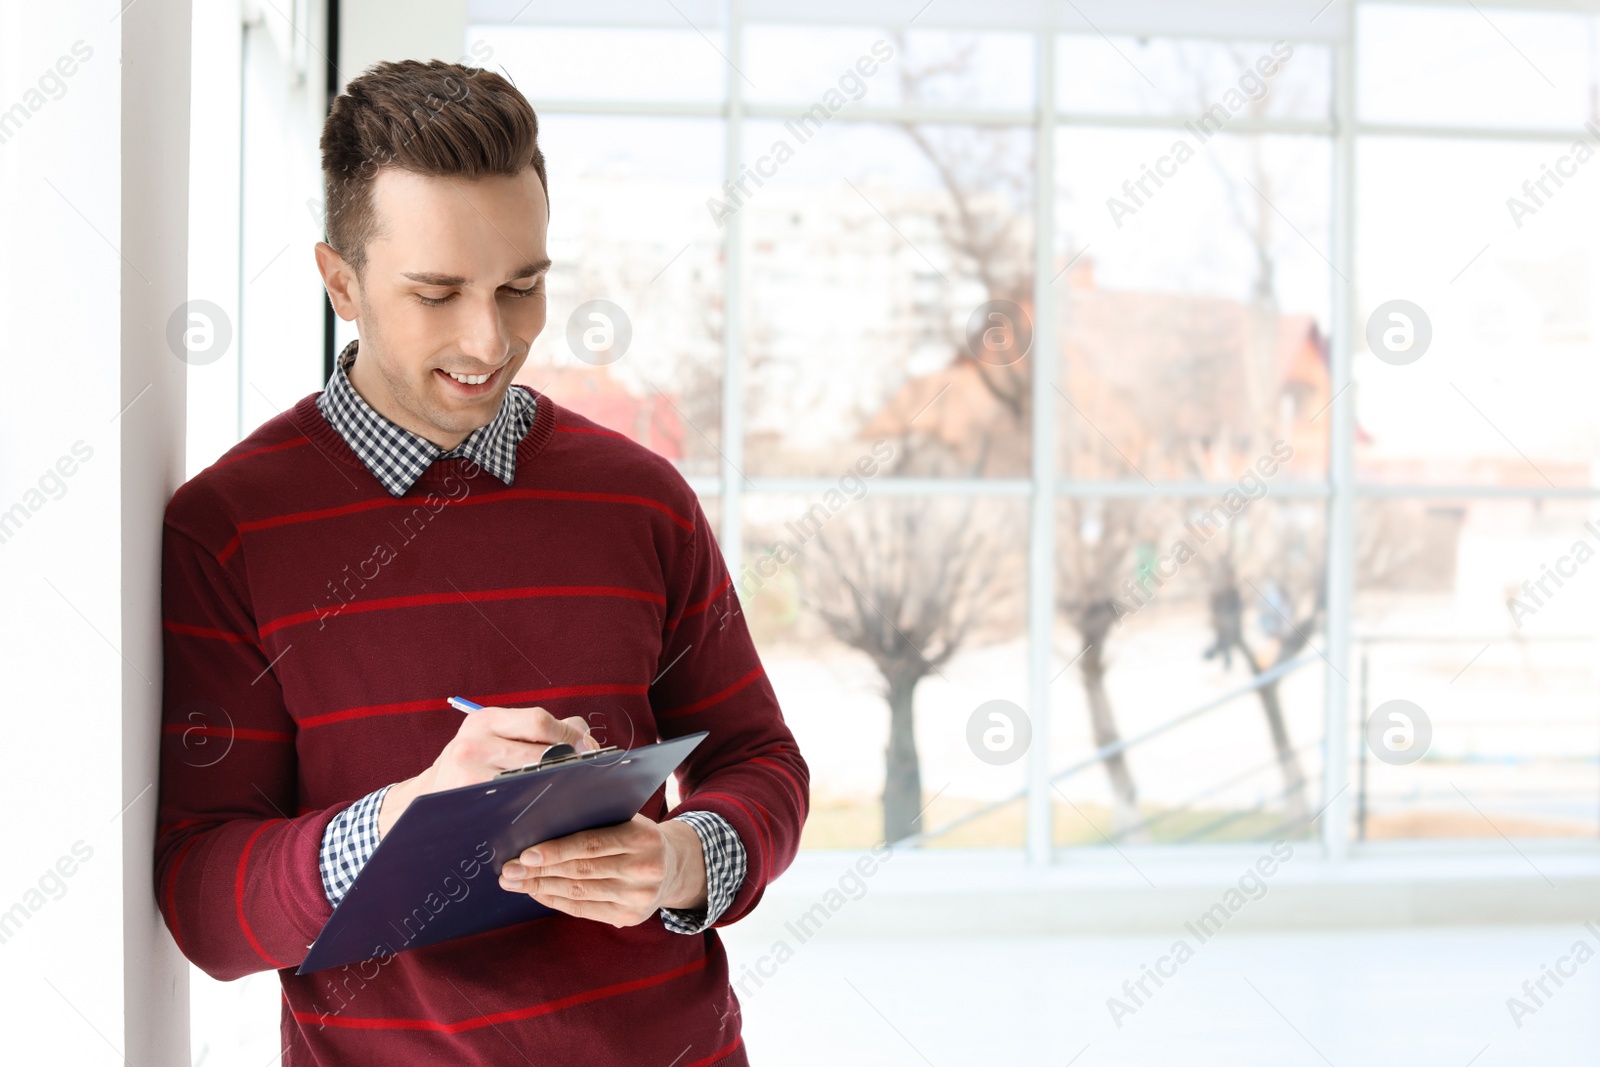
x: 435, y: 118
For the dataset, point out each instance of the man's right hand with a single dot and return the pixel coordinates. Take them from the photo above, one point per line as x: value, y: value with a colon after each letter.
x: 489, y: 741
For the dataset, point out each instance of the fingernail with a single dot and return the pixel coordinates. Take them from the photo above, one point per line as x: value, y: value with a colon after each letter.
x: 513, y: 870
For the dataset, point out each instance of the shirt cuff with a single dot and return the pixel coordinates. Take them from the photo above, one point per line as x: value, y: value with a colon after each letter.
x: 725, y: 871
x: 348, y: 842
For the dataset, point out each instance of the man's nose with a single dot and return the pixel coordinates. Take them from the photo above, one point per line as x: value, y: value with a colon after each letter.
x: 484, y: 335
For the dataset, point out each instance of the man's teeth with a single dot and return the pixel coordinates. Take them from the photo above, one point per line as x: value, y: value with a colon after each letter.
x: 469, y: 379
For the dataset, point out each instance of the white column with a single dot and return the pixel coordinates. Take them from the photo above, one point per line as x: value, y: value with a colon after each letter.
x: 215, y: 184
x: 1341, y: 458
x: 155, y: 232
x: 281, y: 299
x: 732, y: 536
x: 1042, y: 527
x: 94, y: 126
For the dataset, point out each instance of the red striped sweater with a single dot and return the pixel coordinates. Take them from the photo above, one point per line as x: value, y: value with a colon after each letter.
x: 315, y: 624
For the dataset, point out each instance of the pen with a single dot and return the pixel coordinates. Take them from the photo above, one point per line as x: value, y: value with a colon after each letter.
x: 463, y: 705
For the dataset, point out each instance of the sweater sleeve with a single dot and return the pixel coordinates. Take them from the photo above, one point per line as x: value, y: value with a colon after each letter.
x: 236, y: 871
x: 749, y: 770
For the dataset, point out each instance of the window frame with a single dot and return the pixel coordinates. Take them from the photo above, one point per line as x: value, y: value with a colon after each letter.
x: 1330, y: 24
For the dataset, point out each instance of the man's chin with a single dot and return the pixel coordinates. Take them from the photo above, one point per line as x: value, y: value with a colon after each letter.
x: 454, y: 416
x: 454, y: 421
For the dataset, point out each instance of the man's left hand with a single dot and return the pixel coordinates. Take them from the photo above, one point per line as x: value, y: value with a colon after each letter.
x: 620, y: 875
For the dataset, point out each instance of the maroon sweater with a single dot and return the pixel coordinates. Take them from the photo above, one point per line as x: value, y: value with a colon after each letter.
x: 315, y: 624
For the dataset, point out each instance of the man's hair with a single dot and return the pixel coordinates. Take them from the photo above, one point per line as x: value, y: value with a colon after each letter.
x: 437, y: 119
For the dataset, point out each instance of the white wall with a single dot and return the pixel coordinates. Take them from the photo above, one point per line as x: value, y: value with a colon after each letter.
x: 374, y: 30
x: 255, y: 174
x: 214, y: 417
x: 92, y: 176
x: 281, y: 294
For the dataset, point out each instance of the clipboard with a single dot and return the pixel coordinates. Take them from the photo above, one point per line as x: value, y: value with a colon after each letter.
x: 435, y: 876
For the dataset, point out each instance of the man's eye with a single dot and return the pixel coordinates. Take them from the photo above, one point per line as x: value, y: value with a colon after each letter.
x: 529, y: 291
x: 435, y: 302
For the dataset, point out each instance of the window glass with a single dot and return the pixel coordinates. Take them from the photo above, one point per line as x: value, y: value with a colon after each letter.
x: 1163, y: 76
x: 551, y: 63
x: 871, y: 249
x: 1192, y: 304
x: 1163, y: 606
x: 1475, y: 360
x: 869, y: 607
x: 1478, y: 614
x: 885, y: 68
x: 1476, y: 65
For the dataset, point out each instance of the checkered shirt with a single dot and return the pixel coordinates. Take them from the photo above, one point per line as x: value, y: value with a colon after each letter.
x: 397, y: 458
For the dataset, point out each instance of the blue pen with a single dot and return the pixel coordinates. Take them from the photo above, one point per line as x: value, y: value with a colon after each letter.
x: 463, y: 705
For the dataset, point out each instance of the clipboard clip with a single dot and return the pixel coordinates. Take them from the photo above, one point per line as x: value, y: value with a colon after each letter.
x: 558, y: 756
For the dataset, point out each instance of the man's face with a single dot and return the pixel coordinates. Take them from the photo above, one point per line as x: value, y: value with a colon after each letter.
x: 450, y: 300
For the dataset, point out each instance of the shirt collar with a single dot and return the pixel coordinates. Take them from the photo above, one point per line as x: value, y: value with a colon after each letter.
x: 396, y: 456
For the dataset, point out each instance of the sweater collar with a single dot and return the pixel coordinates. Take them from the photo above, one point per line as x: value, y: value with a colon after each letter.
x: 396, y: 456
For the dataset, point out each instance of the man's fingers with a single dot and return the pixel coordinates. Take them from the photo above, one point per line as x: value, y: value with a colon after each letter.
x: 596, y: 889
x: 505, y: 753
x: 578, y: 909
x: 603, y: 875
x: 599, y: 909
x: 512, y: 737
x: 534, y: 726
x: 586, y: 844
x: 611, y: 866
x: 577, y: 734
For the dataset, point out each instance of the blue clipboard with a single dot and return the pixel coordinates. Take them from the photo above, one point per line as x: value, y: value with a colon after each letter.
x: 435, y: 876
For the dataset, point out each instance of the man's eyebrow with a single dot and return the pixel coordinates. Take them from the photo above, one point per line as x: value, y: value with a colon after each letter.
x: 530, y: 270
x: 432, y: 278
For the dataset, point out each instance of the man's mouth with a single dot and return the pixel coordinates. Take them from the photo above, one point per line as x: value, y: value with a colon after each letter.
x: 470, y: 384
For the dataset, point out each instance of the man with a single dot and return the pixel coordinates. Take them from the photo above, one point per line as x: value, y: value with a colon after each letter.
x: 423, y: 528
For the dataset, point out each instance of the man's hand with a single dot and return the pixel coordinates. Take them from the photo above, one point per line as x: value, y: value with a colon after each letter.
x: 620, y: 875
x: 489, y: 741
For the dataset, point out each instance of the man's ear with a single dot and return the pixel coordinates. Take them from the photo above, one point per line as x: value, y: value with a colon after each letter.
x: 340, y: 279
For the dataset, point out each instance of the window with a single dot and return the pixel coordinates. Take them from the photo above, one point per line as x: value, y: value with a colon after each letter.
x: 1196, y: 238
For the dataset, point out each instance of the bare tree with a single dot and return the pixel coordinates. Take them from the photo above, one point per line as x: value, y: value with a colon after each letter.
x: 908, y: 583
x: 1095, y: 548
x: 1281, y: 581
